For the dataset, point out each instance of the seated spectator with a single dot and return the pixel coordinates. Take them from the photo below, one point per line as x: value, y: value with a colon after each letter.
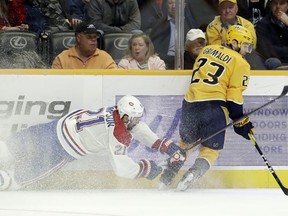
x: 152, y: 12
x: 55, y: 18
x: 12, y: 15
x: 253, y: 10
x: 114, y: 15
x: 163, y: 36
x: 217, y: 29
x: 195, y: 41
x: 272, y: 32
x: 198, y: 14
x: 35, y: 17
x: 85, y: 54
x: 141, y: 55
x: 77, y: 11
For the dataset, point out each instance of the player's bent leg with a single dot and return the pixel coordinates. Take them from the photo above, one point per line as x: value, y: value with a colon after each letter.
x: 184, y: 146
x: 209, y: 154
x: 202, y: 164
x: 198, y: 169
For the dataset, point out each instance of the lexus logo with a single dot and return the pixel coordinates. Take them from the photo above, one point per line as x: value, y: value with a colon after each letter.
x: 68, y: 42
x: 121, y: 43
x: 18, y: 42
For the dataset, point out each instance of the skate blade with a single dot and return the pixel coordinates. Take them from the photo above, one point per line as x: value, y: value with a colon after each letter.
x: 162, y: 186
x: 185, y: 183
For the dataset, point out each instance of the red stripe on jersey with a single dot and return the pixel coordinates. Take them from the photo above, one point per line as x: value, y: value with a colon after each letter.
x: 74, y: 144
x: 120, y: 131
x: 145, y: 169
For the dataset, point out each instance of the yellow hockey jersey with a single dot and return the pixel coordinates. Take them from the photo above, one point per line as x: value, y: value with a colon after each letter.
x: 220, y: 74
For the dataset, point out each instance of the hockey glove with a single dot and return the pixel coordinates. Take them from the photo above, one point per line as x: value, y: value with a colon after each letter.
x: 148, y: 169
x: 244, y: 127
x: 165, y: 146
x: 174, y: 164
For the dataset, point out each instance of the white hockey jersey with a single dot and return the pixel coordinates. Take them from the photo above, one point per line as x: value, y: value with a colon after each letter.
x: 85, y: 132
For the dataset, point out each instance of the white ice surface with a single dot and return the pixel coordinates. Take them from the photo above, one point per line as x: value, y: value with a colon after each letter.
x: 196, y: 202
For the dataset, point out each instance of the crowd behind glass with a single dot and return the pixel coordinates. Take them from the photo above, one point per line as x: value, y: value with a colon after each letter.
x: 154, y: 21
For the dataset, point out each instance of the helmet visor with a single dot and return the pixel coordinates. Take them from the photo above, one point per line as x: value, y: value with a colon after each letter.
x: 246, y: 47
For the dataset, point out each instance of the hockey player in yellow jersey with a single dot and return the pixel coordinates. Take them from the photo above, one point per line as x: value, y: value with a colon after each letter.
x: 220, y: 75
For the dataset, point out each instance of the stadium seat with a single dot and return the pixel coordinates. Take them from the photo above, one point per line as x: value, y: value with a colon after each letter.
x: 20, y: 49
x: 18, y: 41
x: 58, y: 42
x: 115, y: 44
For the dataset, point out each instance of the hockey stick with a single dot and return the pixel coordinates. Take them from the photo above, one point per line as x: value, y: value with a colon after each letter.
x: 284, y: 92
x: 284, y: 189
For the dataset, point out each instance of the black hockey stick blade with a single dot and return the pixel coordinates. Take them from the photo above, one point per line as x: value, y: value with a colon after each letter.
x: 284, y: 189
x: 284, y: 92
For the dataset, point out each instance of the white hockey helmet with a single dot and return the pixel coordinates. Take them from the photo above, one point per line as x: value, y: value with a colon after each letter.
x: 130, y: 106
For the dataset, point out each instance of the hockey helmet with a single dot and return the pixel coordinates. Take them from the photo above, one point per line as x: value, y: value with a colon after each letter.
x: 240, y: 34
x: 131, y: 106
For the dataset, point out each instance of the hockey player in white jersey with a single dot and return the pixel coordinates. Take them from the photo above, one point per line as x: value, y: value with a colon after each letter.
x: 38, y: 151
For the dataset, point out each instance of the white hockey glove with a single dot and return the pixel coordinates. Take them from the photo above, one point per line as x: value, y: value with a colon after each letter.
x: 148, y: 169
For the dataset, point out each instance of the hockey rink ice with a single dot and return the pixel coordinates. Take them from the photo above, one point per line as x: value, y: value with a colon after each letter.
x: 194, y: 202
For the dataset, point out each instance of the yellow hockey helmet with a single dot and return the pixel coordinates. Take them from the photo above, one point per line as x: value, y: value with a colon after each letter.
x: 240, y: 34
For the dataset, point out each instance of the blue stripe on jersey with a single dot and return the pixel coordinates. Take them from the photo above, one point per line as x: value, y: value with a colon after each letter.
x: 74, y: 146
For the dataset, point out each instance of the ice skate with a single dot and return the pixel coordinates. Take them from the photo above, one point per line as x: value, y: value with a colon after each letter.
x: 162, y: 186
x: 166, y: 179
x: 186, y: 181
x: 5, y: 180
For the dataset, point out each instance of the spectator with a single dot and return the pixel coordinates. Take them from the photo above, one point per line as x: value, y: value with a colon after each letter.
x: 195, y: 41
x: 272, y: 32
x: 252, y: 10
x: 198, y: 14
x: 217, y: 30
x: 35, y: 17
x: 114, y: 15
x: 9, y: 18
x: 163, y: 35
x: 77, y: 11
x: 55, y: 18
x: 152, y: 12
x: 85, y: 54
x: 141, y: 55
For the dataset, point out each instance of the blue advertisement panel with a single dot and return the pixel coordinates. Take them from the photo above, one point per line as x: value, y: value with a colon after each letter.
x: 163, y: 116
